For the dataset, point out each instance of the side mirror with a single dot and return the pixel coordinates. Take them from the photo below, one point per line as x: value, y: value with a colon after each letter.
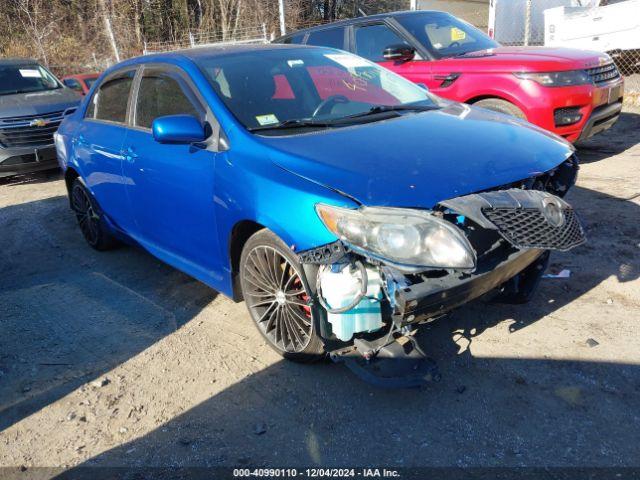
x: 399, y: 53
x: 178, y: 129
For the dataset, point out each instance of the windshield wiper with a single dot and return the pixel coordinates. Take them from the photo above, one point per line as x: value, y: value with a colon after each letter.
x: 390, y: 108
x: 293, y: 123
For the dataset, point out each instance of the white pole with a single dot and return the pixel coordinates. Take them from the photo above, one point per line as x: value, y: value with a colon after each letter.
x: 283, y: 29
x: 414, y: 5
x: 527, y: 23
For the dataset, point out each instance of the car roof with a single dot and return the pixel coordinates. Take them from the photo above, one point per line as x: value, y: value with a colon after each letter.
x: 18, y: 61
x: 350, y: 21
x: 218, y: 51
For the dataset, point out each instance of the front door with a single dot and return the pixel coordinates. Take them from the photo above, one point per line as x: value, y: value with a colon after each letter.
x: 370, y: 41
x: 171, y: 186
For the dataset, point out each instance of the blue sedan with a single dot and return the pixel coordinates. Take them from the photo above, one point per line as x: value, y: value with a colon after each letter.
x: 343, y: 203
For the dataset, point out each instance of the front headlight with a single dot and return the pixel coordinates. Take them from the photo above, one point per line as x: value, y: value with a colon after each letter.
x: 558, y: 79
x: 407, y: 238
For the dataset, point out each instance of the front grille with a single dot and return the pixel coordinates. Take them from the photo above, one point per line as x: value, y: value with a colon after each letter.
x: 529, y: 228
x: 604, y: 74
x: 23, y: 132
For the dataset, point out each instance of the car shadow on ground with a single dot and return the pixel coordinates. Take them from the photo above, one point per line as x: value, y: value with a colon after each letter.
x: 622, y: 136
x: 69, y: 313
x: 486, y: 411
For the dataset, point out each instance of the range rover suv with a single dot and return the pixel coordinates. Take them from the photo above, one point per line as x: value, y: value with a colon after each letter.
x: 572, y: 93
x: 32, y: 104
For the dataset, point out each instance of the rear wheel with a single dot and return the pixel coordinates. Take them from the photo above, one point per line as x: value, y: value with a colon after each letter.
x: 501, y: 106
x: 278, y: 302
x: 88, y: 216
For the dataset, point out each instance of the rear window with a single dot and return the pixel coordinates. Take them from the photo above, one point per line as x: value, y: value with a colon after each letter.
x: 331, y: 37
x: 109, y: 103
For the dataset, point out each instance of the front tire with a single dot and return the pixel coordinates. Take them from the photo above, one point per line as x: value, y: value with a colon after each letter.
x: 501, y: 106
x: 278, y: 302
x: 88, y: 215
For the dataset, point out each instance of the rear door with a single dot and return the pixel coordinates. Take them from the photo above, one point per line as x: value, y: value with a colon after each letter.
x: 98, y: 145
x: 170, y: 187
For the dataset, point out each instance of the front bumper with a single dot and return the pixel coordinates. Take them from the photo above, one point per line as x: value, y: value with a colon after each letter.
x: 602, y: 118
x: 596, y: 104
x: 15, y: 161
x: 434, y: 297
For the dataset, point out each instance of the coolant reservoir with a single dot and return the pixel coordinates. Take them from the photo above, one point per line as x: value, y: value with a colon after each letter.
x: 339, y: 288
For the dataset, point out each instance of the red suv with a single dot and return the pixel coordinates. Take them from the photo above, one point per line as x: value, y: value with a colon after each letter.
x: 573, y: 93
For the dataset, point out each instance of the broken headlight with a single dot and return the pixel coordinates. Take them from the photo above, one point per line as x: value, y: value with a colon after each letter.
x: 409, y: 239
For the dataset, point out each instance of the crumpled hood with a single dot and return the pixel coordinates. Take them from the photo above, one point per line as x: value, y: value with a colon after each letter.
x: 421, y: 159
x: 36, y: 103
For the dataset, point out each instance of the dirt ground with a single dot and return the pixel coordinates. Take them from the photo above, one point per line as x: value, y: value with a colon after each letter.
x: 117, y: 359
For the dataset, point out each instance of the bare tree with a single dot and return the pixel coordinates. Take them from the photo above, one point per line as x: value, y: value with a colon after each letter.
x: 106, y: 18
x: 36, y: 24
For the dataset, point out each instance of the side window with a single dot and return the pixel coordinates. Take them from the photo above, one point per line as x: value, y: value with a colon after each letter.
x: 161, y: 94
x: 297, y: 39
x: 73, y: 84
x: 330, y: 37
x: 371, y: 41
x: 110, y: 101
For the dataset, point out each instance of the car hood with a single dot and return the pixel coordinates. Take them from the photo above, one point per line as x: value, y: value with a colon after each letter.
x: 37, y: 103
x: 421, y: 159
x: 526, y: 59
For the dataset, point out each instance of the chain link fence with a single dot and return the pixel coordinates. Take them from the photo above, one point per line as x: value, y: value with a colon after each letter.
x: 236, y: 36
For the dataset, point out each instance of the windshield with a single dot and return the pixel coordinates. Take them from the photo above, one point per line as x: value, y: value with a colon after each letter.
x: 270, y: 87
x: 24, y: 78
x: 445, y: 35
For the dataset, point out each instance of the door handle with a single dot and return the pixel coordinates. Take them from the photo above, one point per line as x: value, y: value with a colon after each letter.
x: 129, y: 155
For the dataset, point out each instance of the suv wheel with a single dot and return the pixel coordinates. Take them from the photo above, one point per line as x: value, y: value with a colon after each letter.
x: 501, y: 106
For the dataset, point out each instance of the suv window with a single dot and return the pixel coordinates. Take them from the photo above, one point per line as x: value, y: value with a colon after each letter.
x: 110, y: 101
x: 161, y: 94
x: 73, y: 84
x: 330, y: 37
x: 371, y: 40
x: 297, y: 39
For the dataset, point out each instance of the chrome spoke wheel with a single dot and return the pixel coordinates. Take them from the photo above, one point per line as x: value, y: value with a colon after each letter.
x: 277, y: 299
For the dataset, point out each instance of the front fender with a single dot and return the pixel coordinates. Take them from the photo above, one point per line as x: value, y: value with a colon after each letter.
x: 270, y: 196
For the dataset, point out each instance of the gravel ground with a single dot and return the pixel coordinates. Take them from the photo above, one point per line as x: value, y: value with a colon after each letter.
x: 117, y: 359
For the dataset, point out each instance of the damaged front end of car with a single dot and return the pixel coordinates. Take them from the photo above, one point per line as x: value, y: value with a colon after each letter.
x: 393, y: 269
